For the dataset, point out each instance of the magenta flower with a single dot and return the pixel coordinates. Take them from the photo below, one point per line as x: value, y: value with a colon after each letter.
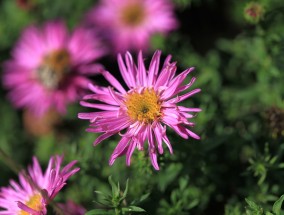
x: 143, y: 110
x: 129, y: 24
x: 33, y: 193
x: 49, y: 66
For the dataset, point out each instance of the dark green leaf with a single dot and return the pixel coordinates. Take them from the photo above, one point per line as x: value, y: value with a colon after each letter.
x: 277, y: 205
x: 99, y: 212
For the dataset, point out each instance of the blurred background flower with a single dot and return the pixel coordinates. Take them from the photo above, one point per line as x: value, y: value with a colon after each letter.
x: 49, y: 67
x: 128, y: 25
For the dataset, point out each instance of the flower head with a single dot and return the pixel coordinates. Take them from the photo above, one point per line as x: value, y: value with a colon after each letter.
x: 49, y: 66
x: 254, y: 12
x: 144, y: 110
x: 129, y: 24
x: 36, y: 188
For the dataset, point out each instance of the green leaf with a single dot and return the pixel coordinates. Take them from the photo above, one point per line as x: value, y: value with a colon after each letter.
x: 114, y: 188
x: 125, y: 191
x: 145, y: 196
x: 102, y: 194
x: 118, y: 190
x: 99, y: 212
x: 251, y: 203
x: 277, y: 205
x: 141, y: 199
x: 136, y: 209
x: 133, y: 209
x: 254, y: 207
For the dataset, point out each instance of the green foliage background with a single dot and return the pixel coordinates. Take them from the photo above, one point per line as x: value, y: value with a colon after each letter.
x: 239, y: 67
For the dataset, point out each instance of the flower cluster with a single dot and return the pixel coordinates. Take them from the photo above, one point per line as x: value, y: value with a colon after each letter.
x: 50, y: 68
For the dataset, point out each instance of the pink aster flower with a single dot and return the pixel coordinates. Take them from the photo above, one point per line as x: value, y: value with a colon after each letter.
x: 144, y: 110
x: 34, y: 191
x: 129, y: 24
x: 49, y: 66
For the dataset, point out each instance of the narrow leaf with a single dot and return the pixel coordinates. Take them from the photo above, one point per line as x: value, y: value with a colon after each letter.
x: 277, y: 205
x: 99, y: 212
x: 113, y: 186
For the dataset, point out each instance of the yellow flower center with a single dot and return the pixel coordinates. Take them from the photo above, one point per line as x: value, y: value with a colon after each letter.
x: 54, y: 68
x: 133, y: 14
x: 144, y: 107
x: 35, y: 203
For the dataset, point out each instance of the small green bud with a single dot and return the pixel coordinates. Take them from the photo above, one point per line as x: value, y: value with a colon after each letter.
x: 253, y: 12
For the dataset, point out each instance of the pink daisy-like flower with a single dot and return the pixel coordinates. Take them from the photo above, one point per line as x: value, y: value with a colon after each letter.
x: 49, y: 66
x: 144, y: 110
x: 129, y: 24
x: 34, y: 191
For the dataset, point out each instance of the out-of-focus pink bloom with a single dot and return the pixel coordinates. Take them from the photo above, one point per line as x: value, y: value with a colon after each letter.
x: 71, y: 208
x: 49, y: 66
x: 144, y: 110
x: 129, y: 24
x: 35, y: 189
x: 26, y: 4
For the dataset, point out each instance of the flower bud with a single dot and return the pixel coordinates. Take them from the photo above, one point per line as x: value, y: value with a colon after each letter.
x: 253, y: 12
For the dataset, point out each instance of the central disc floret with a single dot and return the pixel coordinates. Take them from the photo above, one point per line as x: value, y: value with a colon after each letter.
x: 133, y: 14
x: 35, y: 203
x: 54, y: 68
x: 144, y: 107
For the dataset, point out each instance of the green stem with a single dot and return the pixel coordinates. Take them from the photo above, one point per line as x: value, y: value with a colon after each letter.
x: 118, y: 211
x: 9, y: 162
